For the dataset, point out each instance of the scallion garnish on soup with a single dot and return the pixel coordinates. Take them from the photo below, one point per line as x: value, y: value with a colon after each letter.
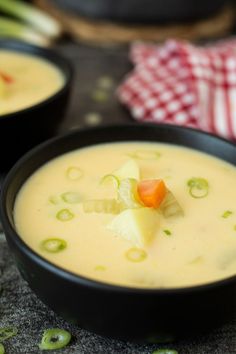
x: 134, y: 213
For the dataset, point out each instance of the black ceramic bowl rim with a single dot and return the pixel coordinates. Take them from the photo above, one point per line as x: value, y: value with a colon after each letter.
x: 50, y: 55
x: 71, y: 276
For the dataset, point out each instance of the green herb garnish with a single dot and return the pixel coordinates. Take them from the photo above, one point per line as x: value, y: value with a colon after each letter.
x: 226, y: 214
x: 198, y: 187
x: 53, y: 199
x: 2, y: 349
x: 71, y: 197
x: 54, y: 338
x: 100, y: 268
x: 74, y: 173
x: 64, y: 215
x: 7, y: 332
x: 136, y: 255
x: 167, y: 232
x: 53, y: 245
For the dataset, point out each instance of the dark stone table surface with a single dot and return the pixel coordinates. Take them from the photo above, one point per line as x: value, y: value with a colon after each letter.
x: 93, y: 101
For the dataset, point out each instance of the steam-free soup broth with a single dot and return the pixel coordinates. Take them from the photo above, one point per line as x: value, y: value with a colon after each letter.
x: 26, y: 80
x: 135, y: 214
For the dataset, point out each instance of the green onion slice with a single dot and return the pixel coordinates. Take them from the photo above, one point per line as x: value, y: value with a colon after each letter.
x: 71, y: 197
x: 167, y: 232
x: 110, y: 179
x: 107, y: 206
x: 165, y: 351
x: 7, y: 332
x: 53, y: 199
x: 54, y: 338
x: 226, y: 214
x: 74, y: 173
x: 136, y: 255
x: 65, y: 215
x: 198, y: 187
x: 145, y: 154
x: 2, y: 349
x: 30, y: 14
x: 53, y: 245
x: 100, y: 268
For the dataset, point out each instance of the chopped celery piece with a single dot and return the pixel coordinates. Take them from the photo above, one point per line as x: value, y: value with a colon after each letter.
x: 2, y: 349
x: 136, y: 255
x: 198, y: 187
x: 65, y: 215
x: 11, y: 28
x: 145, y: 154
x: 138, y: 226
x: 7, y: 332
x: 128, y: 194
x: 167, y: 232
x: 53, y: 245
x: 31, y: 15
x: 226, y: 214
x: 170, y: 206
x: 108, y: 179
x: 71, y: 197
x: 74, y: 173
x: 53, y: 199
x: 100, y: 268
x: 54, y: 338
x: 129, y: 169
x: 107, y: 206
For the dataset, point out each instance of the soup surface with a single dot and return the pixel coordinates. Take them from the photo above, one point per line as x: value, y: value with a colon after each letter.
x: 87, y: 211
x: 26, y: 80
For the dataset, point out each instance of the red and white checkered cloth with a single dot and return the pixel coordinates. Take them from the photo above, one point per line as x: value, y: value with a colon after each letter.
x: 183, y: 84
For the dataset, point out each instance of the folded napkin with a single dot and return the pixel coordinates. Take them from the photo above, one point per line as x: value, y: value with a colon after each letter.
x: 183, y: 84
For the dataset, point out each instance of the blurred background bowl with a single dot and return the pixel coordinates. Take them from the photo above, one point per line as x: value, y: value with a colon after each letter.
x: 23, y: 129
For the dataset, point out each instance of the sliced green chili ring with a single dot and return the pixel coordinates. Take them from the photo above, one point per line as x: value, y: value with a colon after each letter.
x: 65, y: 215
x: 7, y: 332
x: 2, y: 349
x: 226, y: 214
x: 71, y: 197
x: 53, y: 245
x: 198, y: 187
x: 167, y: 232
x: 145, y: 154
x: 74, y: 173
x: 165, y: 351
x: 54, y: 199
x: 100, y: 268
x: 54, y: 338
x: 136, y: 255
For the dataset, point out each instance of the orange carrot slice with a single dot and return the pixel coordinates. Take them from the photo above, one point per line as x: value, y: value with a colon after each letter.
x: 152, y: 192
x: 7, y: 78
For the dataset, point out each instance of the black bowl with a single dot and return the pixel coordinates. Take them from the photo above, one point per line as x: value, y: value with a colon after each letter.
x: 117, y: 311
x: 23, y: 129
x: 144, y: 11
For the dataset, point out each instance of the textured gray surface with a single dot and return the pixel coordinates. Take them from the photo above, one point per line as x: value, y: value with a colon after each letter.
x: 18, y: 305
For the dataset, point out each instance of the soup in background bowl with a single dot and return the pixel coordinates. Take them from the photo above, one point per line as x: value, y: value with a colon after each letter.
x: 81, y: 221
x: 35, y: 85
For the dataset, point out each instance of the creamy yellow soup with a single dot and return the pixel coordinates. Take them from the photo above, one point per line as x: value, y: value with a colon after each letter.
x: 26, y: 80
x: 194, y: 247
